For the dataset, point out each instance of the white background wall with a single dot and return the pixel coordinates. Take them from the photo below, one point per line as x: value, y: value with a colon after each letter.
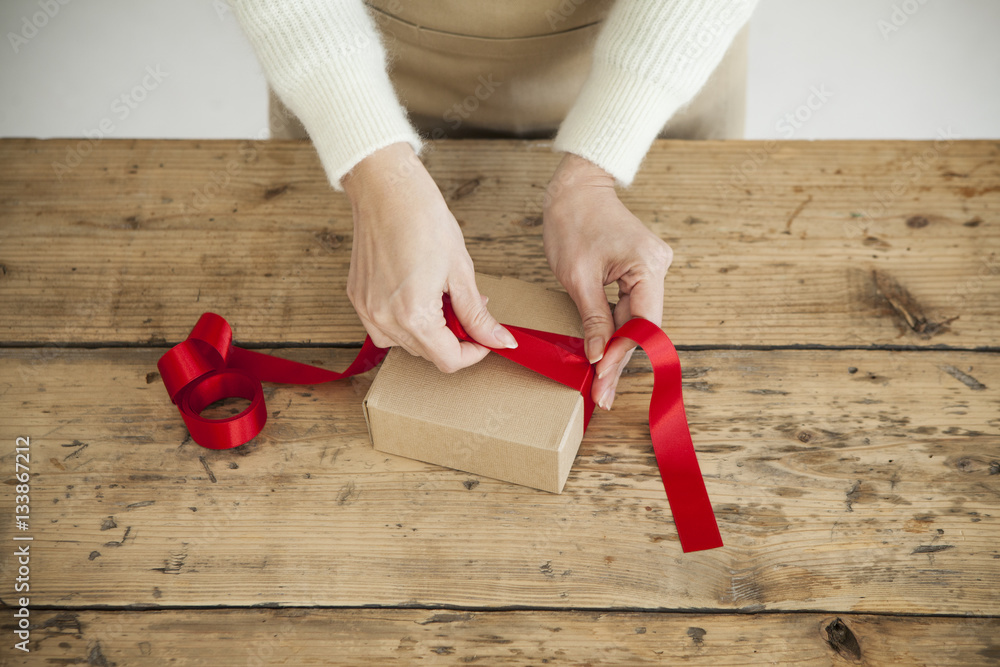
x: 935, y: 66
x: 940, y: 67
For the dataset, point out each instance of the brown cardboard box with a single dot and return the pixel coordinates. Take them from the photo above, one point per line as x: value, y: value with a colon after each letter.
x: 496, y: 418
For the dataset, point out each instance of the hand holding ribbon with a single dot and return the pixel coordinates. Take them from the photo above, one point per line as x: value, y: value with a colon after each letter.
x: 207, y: 367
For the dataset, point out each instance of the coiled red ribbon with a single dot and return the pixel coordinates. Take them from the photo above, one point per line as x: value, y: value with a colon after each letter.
x: 207, y: 367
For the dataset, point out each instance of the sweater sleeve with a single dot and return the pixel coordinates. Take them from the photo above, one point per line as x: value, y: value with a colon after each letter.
x: 651, y: 58
x: 326, y: 62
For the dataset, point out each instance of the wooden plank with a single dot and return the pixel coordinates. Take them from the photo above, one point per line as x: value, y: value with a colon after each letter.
x: 834, y: 243
x: 875, y: 489
x: 391, y: 636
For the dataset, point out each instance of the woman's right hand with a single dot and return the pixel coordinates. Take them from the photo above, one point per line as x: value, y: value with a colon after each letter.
x: 408, y: 250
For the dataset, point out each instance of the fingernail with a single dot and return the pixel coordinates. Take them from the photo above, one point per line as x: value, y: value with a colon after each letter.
x: 504, y: 336
x: 606, y: 398
x: 603, y: 373
x: 595, y: 350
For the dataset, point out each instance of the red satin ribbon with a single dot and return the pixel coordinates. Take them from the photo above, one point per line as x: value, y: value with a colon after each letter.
x: 207, y: 367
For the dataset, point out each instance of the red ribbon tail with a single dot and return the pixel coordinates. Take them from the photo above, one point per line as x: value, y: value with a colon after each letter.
x: 697, y: 527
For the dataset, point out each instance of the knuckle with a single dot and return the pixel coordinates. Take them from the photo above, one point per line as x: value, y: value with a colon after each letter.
x: 380, y: 339
x: 579, y: 274
x: 596, y: 320
x: 660, y: 255
x: 448, y: 365
x: 378, y: 313
x: 465, y: 267
x: 354, y: 297
x: 480, y: 317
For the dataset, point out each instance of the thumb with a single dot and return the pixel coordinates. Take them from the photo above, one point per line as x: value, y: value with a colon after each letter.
x: 595, y: 313
x: 470, y: 308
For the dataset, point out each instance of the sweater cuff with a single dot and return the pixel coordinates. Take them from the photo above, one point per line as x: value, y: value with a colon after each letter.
x: 615, y: 120
x: 349, y: 115
x: 326, y: 62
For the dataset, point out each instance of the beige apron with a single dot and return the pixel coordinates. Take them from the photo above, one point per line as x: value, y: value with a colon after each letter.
x: 479, y: 68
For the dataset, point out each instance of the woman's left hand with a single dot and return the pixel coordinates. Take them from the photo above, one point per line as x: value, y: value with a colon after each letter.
x: 592, y: 240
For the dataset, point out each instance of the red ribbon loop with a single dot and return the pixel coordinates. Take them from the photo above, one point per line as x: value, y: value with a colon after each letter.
x: 671, y: 436
x: 207, y: 367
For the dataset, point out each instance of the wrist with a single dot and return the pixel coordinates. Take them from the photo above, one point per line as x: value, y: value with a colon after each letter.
x: 380, y: 172
x: 583, y: 168
x: 573, y: 174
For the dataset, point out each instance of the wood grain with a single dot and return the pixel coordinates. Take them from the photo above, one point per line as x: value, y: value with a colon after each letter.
x: 777, y: 243
x: 443, y: 637
x: 858, y: 488
x: 864, y: 481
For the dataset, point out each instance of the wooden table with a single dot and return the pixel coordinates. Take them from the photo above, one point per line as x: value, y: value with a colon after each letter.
x: 836, y: 305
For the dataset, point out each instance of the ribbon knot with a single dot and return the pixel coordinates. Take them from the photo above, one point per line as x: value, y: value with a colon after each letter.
x: 206, y: 349
x: 207, y: 367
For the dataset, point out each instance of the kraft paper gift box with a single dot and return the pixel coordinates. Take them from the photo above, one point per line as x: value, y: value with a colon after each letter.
x: 496, y: 418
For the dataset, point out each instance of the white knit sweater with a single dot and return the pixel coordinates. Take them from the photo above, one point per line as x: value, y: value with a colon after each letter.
x: 326, y: 62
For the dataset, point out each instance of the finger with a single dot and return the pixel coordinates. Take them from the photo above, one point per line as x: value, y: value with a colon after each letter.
x: 608, y: 398
x: 440, y: 346
x: 642, y: 298
x: 646, y: 299
x: 619, y: 346
x: 470, y: 308
x: 423, y: 332
x: 393, y: 334
x: 595, y: 313
x: 401, y: 338
x: 379, y: 337
x: 609, y: 368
